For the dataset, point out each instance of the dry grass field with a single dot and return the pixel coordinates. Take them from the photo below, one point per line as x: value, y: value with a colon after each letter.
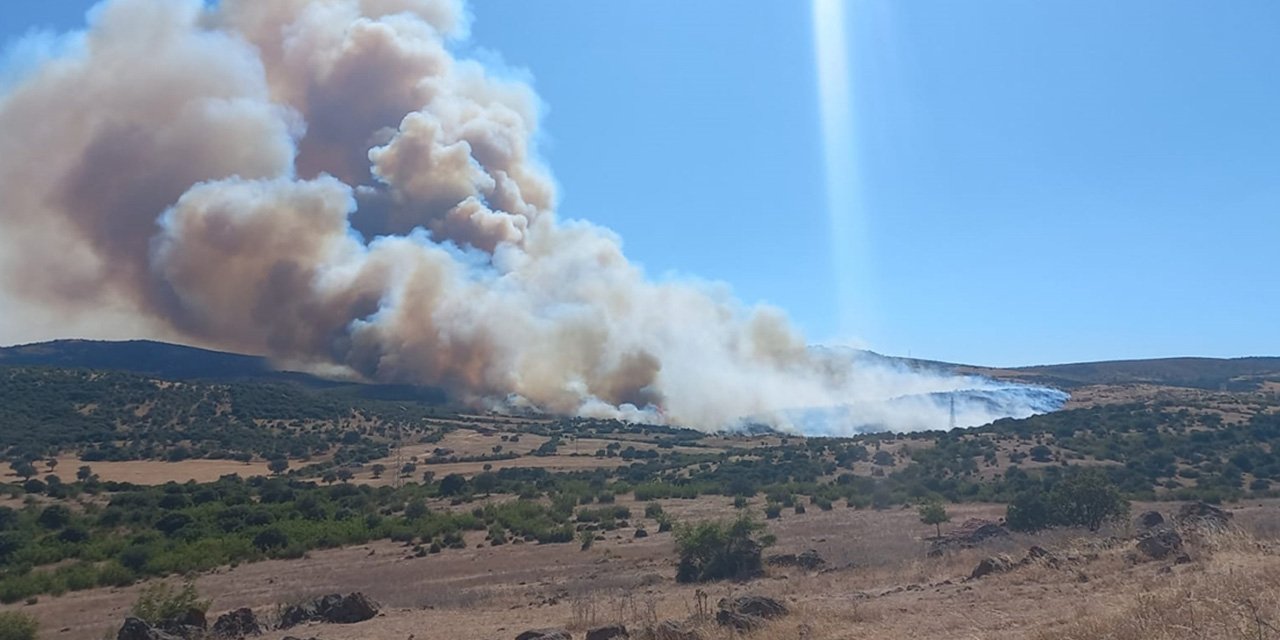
x: 879, y: 584
x: 151, y: 472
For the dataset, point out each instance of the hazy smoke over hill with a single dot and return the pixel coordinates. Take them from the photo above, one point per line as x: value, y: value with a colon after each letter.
x: 324, y: 182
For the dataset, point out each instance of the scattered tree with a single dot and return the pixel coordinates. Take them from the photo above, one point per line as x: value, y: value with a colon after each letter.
x: 720, y: 550
x: 277, y: 466
x: 932, y: 512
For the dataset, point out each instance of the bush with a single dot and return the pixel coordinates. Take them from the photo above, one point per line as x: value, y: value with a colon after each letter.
x: 719, y: 550
x: 1084, y: 498
x: 15, y: 625
x: 160, y: 601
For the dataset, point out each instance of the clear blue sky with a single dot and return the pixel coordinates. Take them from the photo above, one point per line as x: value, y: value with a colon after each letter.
x: 1047, y: 181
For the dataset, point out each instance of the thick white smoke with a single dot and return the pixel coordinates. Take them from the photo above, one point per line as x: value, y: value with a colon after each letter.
x: 323, y: 181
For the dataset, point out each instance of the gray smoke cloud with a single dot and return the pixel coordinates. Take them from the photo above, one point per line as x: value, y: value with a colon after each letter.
x: 325, y: 182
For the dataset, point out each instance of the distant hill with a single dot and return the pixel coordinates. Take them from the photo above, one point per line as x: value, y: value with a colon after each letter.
x: 145, y: 357
x: 1214, y: 374
x: 180, y: 362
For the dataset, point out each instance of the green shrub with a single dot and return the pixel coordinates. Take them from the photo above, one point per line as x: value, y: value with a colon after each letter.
x: 720, y: 550
x: 16, y: 625
x: 160, y: 601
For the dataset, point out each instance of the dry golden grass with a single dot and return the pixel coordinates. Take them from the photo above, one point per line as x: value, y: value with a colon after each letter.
x: 881, y: 585
x: 157, y: 472
x: 1232, y: 593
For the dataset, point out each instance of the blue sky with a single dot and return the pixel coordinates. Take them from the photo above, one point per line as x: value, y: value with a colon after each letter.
x: 1048, y: 181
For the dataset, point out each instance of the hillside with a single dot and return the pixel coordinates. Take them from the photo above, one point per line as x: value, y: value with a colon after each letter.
x: 1213, y: 374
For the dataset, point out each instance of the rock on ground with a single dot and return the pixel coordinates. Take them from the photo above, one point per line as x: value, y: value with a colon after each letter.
x: 237, y: 624
x: 334, y: 608
x: 1149, y: 519
x: 137, y: 629
x: 1158, y: 544
x: 670, y: 630
x: 608, y: 632
x: 993, y: 564
x: 1204, y: 514
x: 969, y: 534
x: 758, y: 606
x: 809, y: 560
x: 545, y: 634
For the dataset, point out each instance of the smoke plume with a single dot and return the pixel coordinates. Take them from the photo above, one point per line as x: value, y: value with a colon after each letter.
x: 325, y: 182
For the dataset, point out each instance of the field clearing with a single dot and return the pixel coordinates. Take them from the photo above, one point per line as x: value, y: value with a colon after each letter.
x: 151, y: 472
x: 881, y: 584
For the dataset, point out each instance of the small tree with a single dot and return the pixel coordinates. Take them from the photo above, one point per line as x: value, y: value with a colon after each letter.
x: 1088, y: 498
x: 377, y: 470
x: 84, y: 473
x: 934, y: 513
x: 277, y: 466
x: 720, y: 550
x: 345, y: 475
x: 1084, y: 498
x: 23, y: 469
x: 1029, y: 512
x: 453, y: 485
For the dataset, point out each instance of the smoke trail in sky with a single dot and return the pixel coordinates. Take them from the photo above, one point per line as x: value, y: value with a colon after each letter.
x: 325, y: 182
x: 848, y: 232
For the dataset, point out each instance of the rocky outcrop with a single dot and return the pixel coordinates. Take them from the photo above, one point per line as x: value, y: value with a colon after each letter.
x: 237, y: 624
x: 545, y: 634
x: 608, y: 632
x: 749, y: 613
x: 739, y: 622
x: 138, y: 629
x: 971, y: 533
x: 1148, y: 520
x: 991, y: 565
x: 758, y: 606
x: 809, y: 560
x: 1159, y: 543
x: 334, y: 608
x: 1203, y: 514
x: 671, y: 630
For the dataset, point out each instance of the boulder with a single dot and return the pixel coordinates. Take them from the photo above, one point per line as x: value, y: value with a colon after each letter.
x: 739, y: 622
x: 1149, y: 520
x: 138, y: 629
x: 237, y: 624
x: 609, y: 632
x: 545, y: 634
x: 1204, y: 514
x: 758, y: 606
x: 333, y: 608
x: 671, y: 630
x: 809, y: 560
x: 189, y: 624
x: 1041, y: 555
x: 971, y: 533
x: 993, y: 564
x: 1160, y: 543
